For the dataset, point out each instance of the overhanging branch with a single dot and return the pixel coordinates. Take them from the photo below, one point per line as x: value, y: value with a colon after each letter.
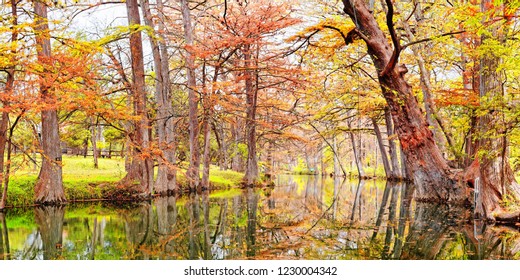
x: 395, y: 40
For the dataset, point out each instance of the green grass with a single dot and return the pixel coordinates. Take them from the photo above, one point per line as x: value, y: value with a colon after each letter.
x: 222, y: 179
x: 81, y: 181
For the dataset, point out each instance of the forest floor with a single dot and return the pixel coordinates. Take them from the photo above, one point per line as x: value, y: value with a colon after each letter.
x: 81, y: 181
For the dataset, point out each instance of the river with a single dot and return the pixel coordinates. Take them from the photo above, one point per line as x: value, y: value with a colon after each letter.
x: 301, y: 217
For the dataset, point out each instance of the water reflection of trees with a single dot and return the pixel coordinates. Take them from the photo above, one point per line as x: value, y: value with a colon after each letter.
x: 310, y: 219
x: 384, y: 225
x: 166, y: 212
x: 49, y: 220
x: 436, y: 231
x: 5, y: 251
x: 442, y: 232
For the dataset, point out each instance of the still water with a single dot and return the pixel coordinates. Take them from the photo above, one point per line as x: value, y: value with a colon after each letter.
x: 302, y: 217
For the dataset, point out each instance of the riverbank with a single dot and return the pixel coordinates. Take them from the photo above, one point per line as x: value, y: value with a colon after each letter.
x: 81, y: 181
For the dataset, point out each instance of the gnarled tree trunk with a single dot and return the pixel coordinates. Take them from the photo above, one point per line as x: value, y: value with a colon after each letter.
x: 433, y: 178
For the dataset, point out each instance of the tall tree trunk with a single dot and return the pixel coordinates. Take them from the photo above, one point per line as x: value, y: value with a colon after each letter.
x: 429, y: 170
x: 357, y: 155
x: 223, y: 145
x: 207, y: 148
x: 141, y: 165
x: 251, y: 90
x: 431, y: 113
x: 470, y: 82
x: 93, y: 140
x: 193, y: 100
x: 3, y: 141
x: 269, y: 171
x: 496, y: 176
x: 207, y: 108
x: 9, y: 85
x: 166, y: 181
x: 386, y: 164
x: 337, y: 167
x: 392, y: 147
x: 49, y: 187
x: 85, y: 147
x: 8, y: 165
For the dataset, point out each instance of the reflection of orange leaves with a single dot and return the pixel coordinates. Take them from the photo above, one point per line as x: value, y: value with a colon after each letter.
x: 457, y: 97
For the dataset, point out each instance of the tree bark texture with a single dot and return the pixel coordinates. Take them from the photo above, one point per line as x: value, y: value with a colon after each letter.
x: 93, y: 140
x: 9, y: 85
x: 3, y: 140
x: 49, y: 186
x: 386, y: 163
x: 166, y: 181
x: 251, y: 91
x: 357, y: 155
x: 392, y: 147
x: 431, y: 113
x: 206, y: 154
x: 496, y: 176
x: 193, y: 100
x: 140, y: 169
x: 429, y: 170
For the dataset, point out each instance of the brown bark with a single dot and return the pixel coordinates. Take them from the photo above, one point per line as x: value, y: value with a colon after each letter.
x: 269, y: 165
x: 251, y: 91
x: 496, y: 176
x: 166, y: 181
x: 140, y: 168
x: 430, y: 172
x: 49, y: 187
x: 3, y: 140
x: 93, y: 140
x: 223, y: 145
x: 392, y: 147
x: 357, y: 154
x: 336, y: 162
x: 207, y: 105
x: 386, y: 164
x: 206, y: 153
x: 9, y: 85
x: 193, y: 100
x: 470, y: 82
x: 432, y: 117
x: 8, y: 165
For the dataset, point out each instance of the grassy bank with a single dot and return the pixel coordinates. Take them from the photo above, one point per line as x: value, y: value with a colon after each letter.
x: 82, y: 181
